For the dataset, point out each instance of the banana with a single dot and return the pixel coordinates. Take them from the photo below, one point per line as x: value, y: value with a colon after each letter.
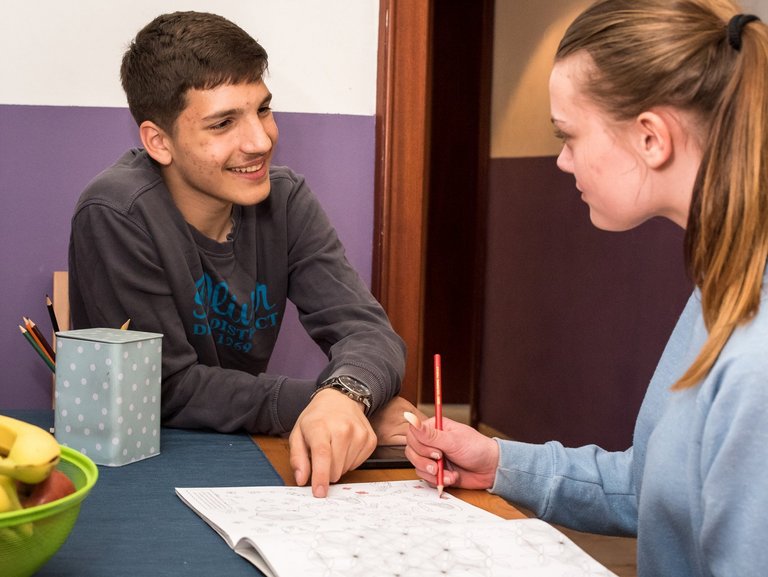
x: 27, y: 452
x: 9, y: 497
x: 9, y: 501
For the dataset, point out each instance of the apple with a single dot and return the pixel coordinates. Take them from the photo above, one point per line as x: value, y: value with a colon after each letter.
x: 56, y: 486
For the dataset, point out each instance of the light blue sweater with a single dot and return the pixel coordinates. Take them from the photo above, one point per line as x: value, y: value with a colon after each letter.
x: 694, y: 486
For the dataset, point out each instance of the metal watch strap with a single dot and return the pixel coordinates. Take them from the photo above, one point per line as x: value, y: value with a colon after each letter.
x: 346, y: 388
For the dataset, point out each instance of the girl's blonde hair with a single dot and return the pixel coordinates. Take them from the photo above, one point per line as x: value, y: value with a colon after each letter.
x: 677, y: 53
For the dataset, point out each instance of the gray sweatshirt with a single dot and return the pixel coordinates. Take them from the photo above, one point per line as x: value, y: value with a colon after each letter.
x: 220, y: 305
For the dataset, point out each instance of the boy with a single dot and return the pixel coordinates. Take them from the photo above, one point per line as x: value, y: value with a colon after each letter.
x: 197, y: 237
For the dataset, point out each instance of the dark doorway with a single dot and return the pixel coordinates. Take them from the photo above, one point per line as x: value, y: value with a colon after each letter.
x: 458, y: 137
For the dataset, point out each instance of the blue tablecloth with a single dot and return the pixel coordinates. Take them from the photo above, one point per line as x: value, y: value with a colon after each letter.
x: 132, y: 524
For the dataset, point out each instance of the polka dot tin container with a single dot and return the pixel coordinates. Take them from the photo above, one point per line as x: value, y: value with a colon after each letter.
x: 107, y: 402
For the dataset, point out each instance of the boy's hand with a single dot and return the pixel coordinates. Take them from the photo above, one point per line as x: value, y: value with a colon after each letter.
x: 331, y: 436
x: 390, y: 424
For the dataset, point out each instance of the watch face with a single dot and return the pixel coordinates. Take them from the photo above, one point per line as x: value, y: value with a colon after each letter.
x: 355, y: 386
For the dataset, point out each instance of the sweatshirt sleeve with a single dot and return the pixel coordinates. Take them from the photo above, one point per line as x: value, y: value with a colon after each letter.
x: 586, y: 488
x: 116, y: 274
x: 335, y: 306
x: 732, y: 470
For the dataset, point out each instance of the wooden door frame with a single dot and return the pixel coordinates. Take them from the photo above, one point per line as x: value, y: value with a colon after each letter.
x: 402, y: 121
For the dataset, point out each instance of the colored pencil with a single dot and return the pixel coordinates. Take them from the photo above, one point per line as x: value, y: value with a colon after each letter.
x: 41, y: 340
x: 439, y: 419
x: 37, y: 348
x: 52, y: 314
x: 124, y: 326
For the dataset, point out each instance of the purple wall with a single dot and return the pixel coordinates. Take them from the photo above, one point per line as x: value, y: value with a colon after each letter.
x: 575, y: 318
x: 48, y: 154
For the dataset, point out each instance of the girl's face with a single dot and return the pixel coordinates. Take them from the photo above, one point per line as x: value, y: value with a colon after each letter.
x: 612, y: 178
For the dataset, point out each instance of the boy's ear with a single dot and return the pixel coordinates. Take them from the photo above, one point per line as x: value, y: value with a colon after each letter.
x: 155, y: 142
x: 654, y: 138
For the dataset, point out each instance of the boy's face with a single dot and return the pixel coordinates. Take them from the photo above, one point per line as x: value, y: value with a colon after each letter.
x: 221, y: 148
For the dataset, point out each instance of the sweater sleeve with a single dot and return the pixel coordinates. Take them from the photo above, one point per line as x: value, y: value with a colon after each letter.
x: 586, y: 488
x: 335, y: 306
x: 116, y: 273
x: 733, y: 469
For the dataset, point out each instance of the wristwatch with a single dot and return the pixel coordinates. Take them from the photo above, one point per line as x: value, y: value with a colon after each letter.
x: 349, y: 386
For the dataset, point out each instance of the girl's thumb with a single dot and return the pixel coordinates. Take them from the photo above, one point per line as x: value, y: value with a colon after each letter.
x: 412, y: 419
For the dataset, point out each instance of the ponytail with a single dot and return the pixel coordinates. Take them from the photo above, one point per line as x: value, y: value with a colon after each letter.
x: 727, y: 235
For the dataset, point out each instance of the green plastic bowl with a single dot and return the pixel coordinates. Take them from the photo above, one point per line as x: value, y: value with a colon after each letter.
x: 29, y: 537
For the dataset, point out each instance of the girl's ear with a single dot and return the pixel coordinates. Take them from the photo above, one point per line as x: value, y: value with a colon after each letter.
x: 654, y: 138
x: 156, y: 142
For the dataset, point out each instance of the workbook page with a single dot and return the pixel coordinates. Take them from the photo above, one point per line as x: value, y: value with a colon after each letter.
x: 398, y: 528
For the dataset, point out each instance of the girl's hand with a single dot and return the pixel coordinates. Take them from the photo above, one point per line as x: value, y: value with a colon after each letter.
x: 470, y: 457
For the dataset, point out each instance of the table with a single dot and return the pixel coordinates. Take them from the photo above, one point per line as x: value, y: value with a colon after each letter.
x: 276, y: 450
x: 132, y: 524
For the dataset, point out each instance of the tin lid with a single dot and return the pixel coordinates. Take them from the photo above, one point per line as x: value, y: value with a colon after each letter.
x: 108, y: 335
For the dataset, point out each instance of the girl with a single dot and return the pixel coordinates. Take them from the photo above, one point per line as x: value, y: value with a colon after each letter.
x: 662, y: 107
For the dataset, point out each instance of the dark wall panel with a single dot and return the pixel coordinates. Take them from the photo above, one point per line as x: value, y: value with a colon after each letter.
x: 575, y: 318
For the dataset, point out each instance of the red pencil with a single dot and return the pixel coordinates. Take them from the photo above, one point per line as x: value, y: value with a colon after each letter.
x: 439, y: 418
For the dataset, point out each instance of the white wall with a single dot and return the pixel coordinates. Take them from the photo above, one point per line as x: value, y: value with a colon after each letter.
x: 322, y: 55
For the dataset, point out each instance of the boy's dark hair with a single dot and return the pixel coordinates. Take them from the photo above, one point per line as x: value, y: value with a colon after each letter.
x: 183, y: 50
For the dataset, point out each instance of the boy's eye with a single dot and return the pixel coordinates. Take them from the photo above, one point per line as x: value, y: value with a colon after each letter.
x: 221, y: 125
x: 264, y: 110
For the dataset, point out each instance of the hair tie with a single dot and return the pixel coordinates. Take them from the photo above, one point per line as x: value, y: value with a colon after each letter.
x: 735, y: 28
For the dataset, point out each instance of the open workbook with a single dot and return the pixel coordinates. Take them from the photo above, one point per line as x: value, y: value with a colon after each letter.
x: 398, y: 528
